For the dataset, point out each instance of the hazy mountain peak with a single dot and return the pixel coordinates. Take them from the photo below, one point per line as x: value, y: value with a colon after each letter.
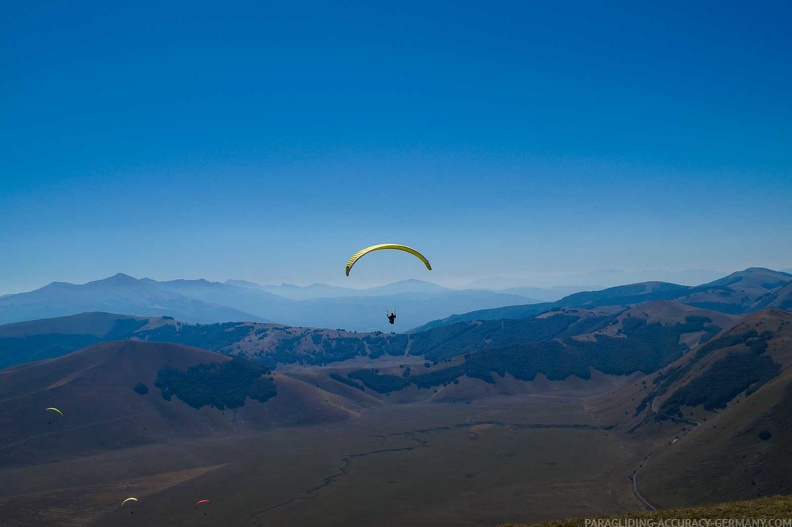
x: 753, y: 277
x: 122, y: 276
x: 118, y: 279
x: 413, y: 285
x: 183, y: 281
x: 242, y: 283
x: 755, y: 270
x: 122, y: 293
x: 417, y: 281
x: 56, y: 285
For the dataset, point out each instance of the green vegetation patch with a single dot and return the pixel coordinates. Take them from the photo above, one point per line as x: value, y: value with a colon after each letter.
x: 523, y: 361
x: 429, y: 343
x: 385, y: 383
x: 344, y: 380
x: 588, y: 325
x: 221, y: 386
x: 723, y: 381
x: 647, y: 348
x: 750, y: 339
x: 212, y: 337
x: 730, y: 340
x: 394, y: 345
x: 331, y: 350
x: 449, y: 341
x: 340, y: 349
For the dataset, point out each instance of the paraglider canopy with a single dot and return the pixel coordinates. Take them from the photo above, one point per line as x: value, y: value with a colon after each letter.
x: 201, y: 501
x: 128, y: 499
x: 54, y: 410
x: 396, y: 246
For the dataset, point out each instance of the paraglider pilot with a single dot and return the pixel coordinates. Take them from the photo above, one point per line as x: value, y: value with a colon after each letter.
x: 391, y: 317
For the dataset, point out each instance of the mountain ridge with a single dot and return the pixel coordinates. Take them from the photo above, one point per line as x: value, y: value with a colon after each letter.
x: 753, y: 288
x: 204, y: 301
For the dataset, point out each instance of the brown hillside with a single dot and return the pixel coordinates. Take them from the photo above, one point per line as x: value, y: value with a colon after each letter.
x: 94, y: 388
x: 321, y: 380
x: 724, y: 457
x: 619, y: 406
x: 669, y: 311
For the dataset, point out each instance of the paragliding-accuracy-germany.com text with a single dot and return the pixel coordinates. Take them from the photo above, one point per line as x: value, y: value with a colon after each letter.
x: 689, y: 522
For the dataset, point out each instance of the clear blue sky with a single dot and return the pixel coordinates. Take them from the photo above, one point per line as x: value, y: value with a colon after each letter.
x: 269, y: 141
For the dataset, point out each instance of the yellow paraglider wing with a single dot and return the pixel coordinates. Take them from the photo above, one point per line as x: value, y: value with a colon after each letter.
x: 398, y: 247
x: 128, y: 499
x: 55, y: 410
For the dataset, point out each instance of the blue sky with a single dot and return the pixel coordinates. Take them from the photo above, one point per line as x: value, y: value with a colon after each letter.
x: 270, y: 141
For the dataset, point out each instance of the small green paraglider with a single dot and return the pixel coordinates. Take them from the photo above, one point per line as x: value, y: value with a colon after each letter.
x: 53, y: 410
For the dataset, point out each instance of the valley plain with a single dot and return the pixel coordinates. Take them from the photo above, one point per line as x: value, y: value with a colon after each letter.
x: 528, y: 457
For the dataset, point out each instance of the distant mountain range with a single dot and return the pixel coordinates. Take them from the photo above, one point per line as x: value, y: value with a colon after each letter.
x: 658, y: 320
x: 418, y: 304
x: 745, y: 291
x: 119, y: 294
x: 317, y: 291
x: 415, y: 302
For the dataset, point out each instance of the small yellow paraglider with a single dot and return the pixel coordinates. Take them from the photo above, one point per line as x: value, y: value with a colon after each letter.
x: 125, y: 502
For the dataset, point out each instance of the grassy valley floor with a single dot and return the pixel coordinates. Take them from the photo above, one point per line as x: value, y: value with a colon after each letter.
x: 504, y: 459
